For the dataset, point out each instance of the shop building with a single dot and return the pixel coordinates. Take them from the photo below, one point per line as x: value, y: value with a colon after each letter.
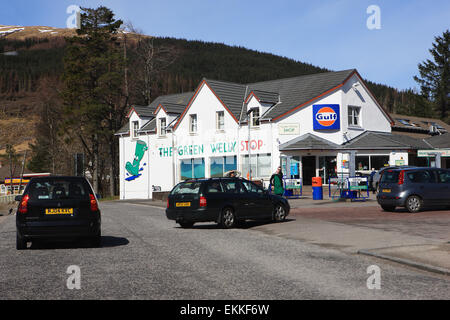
x: 314, y: 125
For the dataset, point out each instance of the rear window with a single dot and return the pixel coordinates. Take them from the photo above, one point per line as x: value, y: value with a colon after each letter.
x: 55, y: 189
x: 390, y: 176
x: 187, y: 188
x: 444, y: 176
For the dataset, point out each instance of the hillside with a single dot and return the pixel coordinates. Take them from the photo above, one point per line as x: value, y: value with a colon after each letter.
x: 31, y: 57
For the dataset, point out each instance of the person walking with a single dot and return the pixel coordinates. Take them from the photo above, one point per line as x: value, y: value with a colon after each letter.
x: 276, y: 181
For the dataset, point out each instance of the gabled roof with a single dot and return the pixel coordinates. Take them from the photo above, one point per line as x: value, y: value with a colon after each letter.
x: 440, y: 141
x: 125, y: 129
x: 371, y: 140
x: 142, y: 111
x: 308, y: 141
x: 171, y: 108
x: 298, y: 91
x: 264, y: 96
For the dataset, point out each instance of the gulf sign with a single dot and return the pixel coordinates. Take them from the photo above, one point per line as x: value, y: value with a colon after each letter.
x: 326, y: 117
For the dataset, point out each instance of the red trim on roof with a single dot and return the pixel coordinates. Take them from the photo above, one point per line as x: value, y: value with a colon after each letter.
x: 157, y: 109
x: 252, y: 94
x: 129, y: 112
x: 192, y: 100
x: 309, y: 101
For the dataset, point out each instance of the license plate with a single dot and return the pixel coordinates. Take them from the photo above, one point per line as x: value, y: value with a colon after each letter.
x: 386, y: 190
x: 59, y: 211
x: 183, y: 204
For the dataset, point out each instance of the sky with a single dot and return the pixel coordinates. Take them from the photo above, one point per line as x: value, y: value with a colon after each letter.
x: 329, y: 34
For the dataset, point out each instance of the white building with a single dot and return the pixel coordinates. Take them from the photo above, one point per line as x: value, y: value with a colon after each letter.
x: 314, y: 125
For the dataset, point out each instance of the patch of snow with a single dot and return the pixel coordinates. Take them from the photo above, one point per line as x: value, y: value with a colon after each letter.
x: 42, y: 31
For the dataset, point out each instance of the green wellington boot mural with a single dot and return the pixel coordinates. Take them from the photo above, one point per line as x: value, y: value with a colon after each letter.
x: 133, y: 168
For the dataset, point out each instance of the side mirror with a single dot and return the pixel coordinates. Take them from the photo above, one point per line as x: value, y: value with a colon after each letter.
x: 18, y: 198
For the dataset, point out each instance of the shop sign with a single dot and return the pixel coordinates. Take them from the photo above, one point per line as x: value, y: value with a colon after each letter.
x: 214, y: 148
x: 326, y: 117
x: 432, y: 153
x: 287, y: 129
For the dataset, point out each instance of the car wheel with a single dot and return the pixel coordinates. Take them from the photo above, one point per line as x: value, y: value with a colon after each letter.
x: 279, y: 213
x: 186, y: 224
x: 414, y: 204
x: 21, y: 243
x: 388, y: 208
x: 228, y: 218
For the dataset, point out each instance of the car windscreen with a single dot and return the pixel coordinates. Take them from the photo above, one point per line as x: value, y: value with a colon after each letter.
x: 56, y: 189
x: 390, y: 176
x: 190, y: 187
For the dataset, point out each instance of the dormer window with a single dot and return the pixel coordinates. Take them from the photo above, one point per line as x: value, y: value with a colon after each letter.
x: 162, y: 127
x: 134, y: 129
x: 255, y: 117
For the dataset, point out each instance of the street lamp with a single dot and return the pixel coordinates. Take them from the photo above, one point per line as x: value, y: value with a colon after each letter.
x: 249, y: 111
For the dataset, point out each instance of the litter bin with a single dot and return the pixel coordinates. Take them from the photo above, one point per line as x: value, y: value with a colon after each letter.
x: 317, y: 188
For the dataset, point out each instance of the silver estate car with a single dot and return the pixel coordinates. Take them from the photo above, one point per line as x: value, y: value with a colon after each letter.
x: 414, y: 188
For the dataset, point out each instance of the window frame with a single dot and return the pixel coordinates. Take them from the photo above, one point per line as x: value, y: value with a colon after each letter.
x: 351, y: 116
x: 220, y: 126
x: 255, y: 121
x: 134, y: 130
x: 162, y: 132
x: 191, y: 122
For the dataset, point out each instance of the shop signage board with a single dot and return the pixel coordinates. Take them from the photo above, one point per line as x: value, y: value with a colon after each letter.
x: 289, y: 129
x: 326, y: 117
x: 431, y: 153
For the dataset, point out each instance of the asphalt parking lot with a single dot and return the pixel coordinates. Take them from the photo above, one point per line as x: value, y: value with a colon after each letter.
x: 145, y: 256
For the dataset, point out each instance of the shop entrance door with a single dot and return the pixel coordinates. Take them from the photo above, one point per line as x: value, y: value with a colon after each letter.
x: 308, y: 169
x: 327, y: 168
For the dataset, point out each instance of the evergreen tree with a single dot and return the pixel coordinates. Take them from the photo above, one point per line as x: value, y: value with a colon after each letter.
x: 93, y: 76
x: 434, y: 77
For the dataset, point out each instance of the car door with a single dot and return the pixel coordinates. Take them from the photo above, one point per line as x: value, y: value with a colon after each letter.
x: 261, y: 205
x: 237, y: 197
x: 443, y: 186
x: 423, y: 183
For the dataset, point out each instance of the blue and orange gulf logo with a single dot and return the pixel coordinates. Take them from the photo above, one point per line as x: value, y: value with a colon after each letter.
x: 326, y: 117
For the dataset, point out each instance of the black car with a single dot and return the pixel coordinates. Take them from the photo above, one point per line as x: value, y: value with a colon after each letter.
x: 57, y: 208
x: 414, y: 188
x: 226, y: 201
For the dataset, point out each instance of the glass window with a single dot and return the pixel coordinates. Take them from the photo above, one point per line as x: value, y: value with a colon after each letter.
x: 187, y: 188
x: 49, y: 189
x: 186, y: 169
x: 251, y: 187
x: 261, y: 164
x: 362, y: 163
x: 162, y: 126
x: 220, y: 165
x: 193, y: 123
x: 353, y: 116
x: 443, y: 176
x: 378, y: 162
x: 220, y: 120
x: 231, y: 186
x: 214, y: 187
x: 192, y: 168
x: 135, y: 128
x: 255, y: 118
x: 389, y: 176
x: 420, y: 176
